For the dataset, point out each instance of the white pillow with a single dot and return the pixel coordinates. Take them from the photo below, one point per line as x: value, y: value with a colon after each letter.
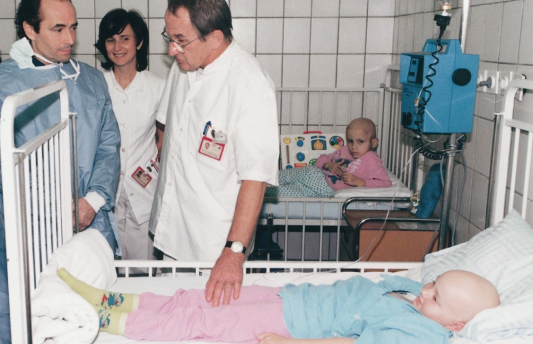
x: 503, y: 254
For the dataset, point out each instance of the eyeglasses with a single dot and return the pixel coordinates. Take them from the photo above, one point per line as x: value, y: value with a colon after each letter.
x: 180, y: 47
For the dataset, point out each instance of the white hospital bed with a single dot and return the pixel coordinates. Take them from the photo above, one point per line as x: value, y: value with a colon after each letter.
x: 32, y: 235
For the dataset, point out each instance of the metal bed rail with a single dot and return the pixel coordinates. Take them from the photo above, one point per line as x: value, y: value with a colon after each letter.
x: 515, y: 127
x: 36, y: 179
x: 261, y: 267
x: 317, y: 236
x: 328, y: 110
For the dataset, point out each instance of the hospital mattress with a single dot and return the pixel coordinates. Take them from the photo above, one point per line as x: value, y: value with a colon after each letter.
x: 330, y: 208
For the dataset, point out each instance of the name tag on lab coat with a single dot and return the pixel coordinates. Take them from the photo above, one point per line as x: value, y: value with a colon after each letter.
x: 141, y: 177
x: 211, y: 149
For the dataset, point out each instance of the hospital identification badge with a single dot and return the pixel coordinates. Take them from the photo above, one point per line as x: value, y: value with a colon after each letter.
x: 141, y: 177
x: 211, y: 149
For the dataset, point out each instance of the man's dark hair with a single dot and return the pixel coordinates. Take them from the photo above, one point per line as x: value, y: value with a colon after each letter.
x: 206, y: 16
x: 114, y: 23
x: 28, y: 11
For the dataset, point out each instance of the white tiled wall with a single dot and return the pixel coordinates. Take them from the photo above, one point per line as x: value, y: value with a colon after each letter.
x: 299, y: 42
x: 500, y: 31
x: 341, y: 43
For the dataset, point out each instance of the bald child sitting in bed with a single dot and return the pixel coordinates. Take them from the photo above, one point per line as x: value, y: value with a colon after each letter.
x: 354, y: 309
x: 353, y: 165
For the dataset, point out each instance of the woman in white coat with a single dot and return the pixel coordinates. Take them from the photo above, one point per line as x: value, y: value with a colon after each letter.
x: 135, y: 93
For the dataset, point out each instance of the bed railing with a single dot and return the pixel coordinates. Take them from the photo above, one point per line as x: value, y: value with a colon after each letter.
x: 326, y: 109
x: 512, y: 170
x: 36, y: 179
x: 397, y: 142
x: 172, y: 268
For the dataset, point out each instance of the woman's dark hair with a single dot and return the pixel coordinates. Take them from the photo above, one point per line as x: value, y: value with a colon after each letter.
x: 28, y: 11
x: 206, y: 15
x: 113, y: 23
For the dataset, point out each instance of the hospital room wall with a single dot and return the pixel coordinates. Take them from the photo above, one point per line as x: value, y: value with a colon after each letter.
x: 301, y: 43
x: 500, y: 33
x: 348, y: 43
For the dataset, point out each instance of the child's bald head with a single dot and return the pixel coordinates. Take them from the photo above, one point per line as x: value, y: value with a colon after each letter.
x: 455, y: 298
x: 363, y: 124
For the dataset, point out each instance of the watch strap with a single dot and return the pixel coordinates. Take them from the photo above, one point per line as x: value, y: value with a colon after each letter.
x: 229, y: 243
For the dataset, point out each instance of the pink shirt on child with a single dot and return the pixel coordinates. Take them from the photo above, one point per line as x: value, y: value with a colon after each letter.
x: 368, y: 167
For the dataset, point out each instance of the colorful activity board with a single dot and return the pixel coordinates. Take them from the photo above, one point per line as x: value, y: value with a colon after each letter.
x: 300, y: 150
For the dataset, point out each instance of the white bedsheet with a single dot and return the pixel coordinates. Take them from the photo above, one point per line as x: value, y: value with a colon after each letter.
x: 59, y: 315
x: 315, y: 207
x: 168, y: 285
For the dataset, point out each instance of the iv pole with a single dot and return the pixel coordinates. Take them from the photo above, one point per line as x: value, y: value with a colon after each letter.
x: 451, y: 150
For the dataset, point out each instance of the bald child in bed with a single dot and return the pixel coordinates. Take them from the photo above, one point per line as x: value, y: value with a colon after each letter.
x: 353, y: 165
x: 394, y: 310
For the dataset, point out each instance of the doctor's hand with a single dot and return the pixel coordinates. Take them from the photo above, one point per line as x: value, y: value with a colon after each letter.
x: 87, y: 214
x: 226, y: 278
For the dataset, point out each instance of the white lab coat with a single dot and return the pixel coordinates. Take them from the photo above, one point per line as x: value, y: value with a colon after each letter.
x: 196, y: 195
x: 135, y: 109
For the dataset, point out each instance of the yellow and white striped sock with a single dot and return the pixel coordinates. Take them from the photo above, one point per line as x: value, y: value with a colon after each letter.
x: 113, y: 322
x: 100, y: 299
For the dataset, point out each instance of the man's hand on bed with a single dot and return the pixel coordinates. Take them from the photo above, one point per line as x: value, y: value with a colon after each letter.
x: 225, y: 279
x: 272, y: 338
x: 87, y: 214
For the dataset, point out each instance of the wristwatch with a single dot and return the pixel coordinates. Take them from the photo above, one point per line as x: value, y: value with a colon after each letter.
x: 236, y: 246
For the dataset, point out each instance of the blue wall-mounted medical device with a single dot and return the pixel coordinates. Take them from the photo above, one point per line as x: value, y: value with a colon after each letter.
x: 439, y: 89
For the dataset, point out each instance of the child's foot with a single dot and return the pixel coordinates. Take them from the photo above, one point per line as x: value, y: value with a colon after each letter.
x: 113, y: 322
x: 100, y: 299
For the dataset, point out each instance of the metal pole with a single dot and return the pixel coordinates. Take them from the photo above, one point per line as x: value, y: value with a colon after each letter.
x: 75, y: 172
x: 25, y: 250
x: 452, y: 147
x: 446, y: 201
x: 493, y: 169
x: 464, y: 23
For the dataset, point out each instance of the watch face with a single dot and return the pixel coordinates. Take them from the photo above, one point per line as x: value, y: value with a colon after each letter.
x: 237, y: 247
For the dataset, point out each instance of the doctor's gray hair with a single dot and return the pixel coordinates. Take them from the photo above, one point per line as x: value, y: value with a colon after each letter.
x: 28, y: 11
x: 206, y: 16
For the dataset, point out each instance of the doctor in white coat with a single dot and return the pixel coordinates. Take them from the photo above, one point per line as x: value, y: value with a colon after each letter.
x: 135, y: 94
x: 220, y: 148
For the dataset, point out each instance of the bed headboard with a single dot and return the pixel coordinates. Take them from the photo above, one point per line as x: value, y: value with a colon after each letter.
x: 329, y: 110
x: 512, y: 187
x: 36, y: 179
